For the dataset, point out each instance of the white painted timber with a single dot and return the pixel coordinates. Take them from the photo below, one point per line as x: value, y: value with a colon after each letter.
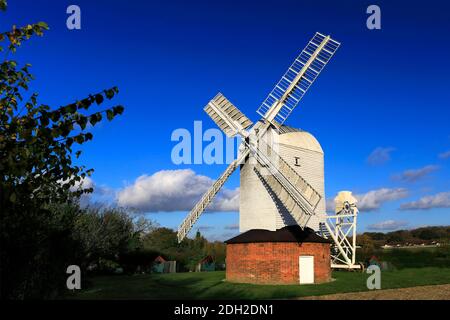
x: 306, y: 269
x: 257, y: 207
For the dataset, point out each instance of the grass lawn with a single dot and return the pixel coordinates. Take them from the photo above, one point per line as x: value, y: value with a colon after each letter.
x: 211, y: 285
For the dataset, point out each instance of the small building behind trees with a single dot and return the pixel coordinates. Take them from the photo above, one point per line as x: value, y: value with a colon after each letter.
x: 206, y: 264
x: 161, y: 265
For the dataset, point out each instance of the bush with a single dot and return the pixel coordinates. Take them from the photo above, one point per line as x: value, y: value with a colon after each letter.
x: 138, y: 260
x: 34, y: 260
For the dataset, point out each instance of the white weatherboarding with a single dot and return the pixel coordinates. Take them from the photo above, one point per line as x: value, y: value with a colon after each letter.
x: 273, y: 192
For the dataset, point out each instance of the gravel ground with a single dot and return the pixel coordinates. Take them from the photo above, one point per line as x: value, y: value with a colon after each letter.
x: 437, y: 292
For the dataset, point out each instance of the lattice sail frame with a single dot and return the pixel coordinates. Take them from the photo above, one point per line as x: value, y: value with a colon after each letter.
x: 298, y: 78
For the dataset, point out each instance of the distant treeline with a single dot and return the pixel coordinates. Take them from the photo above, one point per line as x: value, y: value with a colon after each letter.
x: 424, y: 235
x: 370, y: 244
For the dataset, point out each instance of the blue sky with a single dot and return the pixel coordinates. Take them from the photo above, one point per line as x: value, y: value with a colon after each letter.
x: 385, y: 93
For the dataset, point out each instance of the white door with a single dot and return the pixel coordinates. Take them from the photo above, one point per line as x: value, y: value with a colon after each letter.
x: 306, y: 269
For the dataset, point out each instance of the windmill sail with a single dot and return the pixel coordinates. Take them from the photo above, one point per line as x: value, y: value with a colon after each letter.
x: 227, y: 116
x: 231, y: 121
x: 288, y: 92
x: 207, y: 198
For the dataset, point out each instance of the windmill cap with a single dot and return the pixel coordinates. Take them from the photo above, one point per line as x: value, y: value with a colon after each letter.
x: 299, y: 138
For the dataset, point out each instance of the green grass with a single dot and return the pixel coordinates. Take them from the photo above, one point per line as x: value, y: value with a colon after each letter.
x: 211, y: 285
x: 417, y: 257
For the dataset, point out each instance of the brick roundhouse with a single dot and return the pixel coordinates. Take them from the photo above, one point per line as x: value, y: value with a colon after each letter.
x: 273, y: 257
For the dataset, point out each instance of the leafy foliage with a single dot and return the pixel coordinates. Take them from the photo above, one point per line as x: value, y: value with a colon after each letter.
x: 103, y: 233
x: 38, y: 174
x: 367, y: 246
x: 187, y: 253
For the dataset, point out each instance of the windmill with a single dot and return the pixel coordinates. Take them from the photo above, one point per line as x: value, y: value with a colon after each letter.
x: 258, y: 152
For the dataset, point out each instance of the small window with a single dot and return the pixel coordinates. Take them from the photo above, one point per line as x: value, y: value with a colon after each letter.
x: 297, y: 161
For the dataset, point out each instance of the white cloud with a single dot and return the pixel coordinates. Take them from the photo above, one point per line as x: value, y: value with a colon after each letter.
x: 387, y: 225
x: 374, y: 199
x: 84, y: 183
x: 226, y: 200
x: 414, y: 175
x: 174, y: 190
x: 330, y: 206
x: 440, y: 200
x: 445, y: 155
x: 380, y: 155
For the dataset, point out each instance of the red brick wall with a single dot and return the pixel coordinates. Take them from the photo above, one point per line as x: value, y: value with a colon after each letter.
x: 275, y: 262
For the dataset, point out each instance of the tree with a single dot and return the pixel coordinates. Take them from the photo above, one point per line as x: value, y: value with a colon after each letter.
x: 398, y: 237
x: 430, y: 233
x: 36, y: 147
x: 367, y: 246
x: 376, y: 235
x: 162, y: 240
x: 199, y: 241
x: 216, y: 249
x: 103, y: 233
x: 187, y: 253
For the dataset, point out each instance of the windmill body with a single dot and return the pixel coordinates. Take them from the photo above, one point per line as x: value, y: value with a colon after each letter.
x: 259, y: 207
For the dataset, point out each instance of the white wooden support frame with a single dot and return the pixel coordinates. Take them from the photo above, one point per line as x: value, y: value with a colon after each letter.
x: 341, y: 227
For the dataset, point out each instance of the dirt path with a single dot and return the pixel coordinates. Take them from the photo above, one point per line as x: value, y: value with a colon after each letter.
x: 438, y: 292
